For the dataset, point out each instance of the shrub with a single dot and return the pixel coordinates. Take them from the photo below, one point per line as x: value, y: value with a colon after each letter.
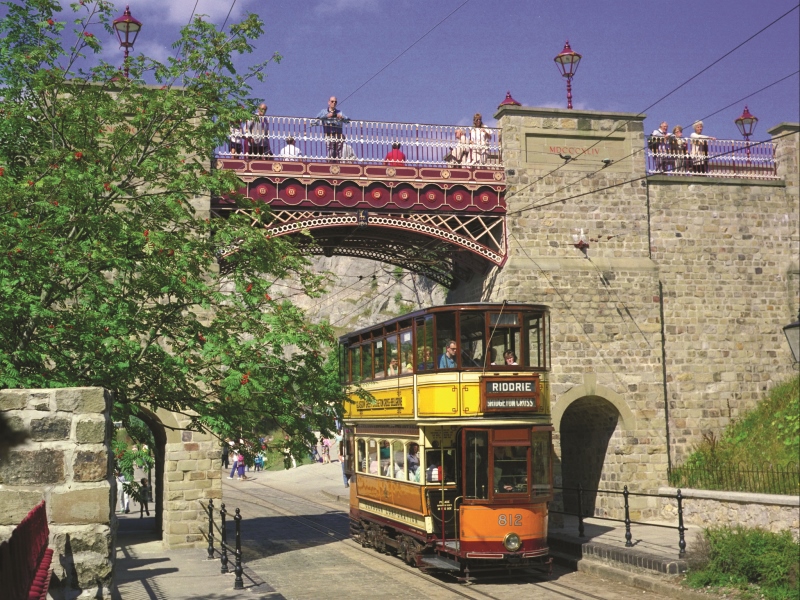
x: 741, y: 557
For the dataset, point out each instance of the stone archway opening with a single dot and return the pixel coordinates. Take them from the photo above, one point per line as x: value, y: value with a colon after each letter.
x: 586, y: 429
x: 156, y: 427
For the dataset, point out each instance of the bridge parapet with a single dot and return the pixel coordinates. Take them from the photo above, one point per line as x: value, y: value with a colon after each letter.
x: 364, y: 143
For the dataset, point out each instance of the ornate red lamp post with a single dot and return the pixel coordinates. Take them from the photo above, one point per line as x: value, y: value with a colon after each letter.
x: 127, y: 29
x: 746, y: 124
x: 567, y: 62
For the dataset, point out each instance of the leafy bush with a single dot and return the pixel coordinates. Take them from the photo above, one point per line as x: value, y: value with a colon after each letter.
x: 742, y: 557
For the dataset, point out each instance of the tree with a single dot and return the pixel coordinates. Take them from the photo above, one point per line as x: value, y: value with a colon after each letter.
x: 109, y: 273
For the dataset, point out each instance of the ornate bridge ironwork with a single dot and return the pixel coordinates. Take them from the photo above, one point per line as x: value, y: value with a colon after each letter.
x: 446, y: 222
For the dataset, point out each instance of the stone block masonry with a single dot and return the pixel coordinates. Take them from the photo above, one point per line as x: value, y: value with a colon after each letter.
x: 67, y: 461
x: 670, y: 325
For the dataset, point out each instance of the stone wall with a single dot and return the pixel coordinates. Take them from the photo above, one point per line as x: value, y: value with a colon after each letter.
x: 717, y: 258
x: 192, y: 469
x: 67, y: 461
x: 704, y: 508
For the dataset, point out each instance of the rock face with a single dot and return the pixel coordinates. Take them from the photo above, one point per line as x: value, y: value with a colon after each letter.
x: 67, y: 462
x: 364, y: 292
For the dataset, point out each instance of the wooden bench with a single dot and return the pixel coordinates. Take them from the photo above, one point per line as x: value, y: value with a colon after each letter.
x: 25, y: 559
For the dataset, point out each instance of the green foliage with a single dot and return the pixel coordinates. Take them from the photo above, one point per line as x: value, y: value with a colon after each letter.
x: 109, y: 276
x: 767, y: 437
x: 743, y: 557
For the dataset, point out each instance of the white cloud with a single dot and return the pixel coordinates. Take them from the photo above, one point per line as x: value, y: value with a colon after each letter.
x: 174, y: 12
x: 329, y: 7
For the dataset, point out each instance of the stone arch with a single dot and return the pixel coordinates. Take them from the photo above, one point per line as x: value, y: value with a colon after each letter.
x: 590, y: 388
x: 160, y: 429
x: 587, y: 417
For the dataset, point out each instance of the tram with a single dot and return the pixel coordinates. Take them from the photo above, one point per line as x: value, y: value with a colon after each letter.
x: 450, y: 454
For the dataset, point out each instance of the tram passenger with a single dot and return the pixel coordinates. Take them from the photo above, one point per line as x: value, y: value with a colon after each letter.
x: 393, y: 370
x: 509, y: 358
x: 425, y: 360
x: 448, y: 358
x: 413, y: 459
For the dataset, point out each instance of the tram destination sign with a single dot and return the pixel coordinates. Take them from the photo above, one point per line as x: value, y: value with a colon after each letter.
x: 510, y: 394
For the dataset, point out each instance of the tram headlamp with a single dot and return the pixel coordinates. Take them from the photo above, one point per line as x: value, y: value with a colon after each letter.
x: 512, y: 542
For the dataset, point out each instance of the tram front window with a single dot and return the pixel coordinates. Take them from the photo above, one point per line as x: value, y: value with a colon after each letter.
x: 540, y: 453
x: 476, y: 466
x: 510, y: 470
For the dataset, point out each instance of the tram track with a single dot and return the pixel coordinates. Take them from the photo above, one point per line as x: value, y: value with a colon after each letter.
x: 560, y: 589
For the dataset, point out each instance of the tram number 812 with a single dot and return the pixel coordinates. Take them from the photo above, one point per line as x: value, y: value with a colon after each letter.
x: 511, y: 520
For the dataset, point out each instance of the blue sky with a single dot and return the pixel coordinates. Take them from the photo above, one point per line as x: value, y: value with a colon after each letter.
x: 634, y: 52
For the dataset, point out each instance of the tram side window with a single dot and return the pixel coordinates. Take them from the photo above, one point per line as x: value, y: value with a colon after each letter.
x: 510, y: 469
x: 378, y: 353
x: 372, y: 457
x: 533, y: 326
x: 406, y: 353
x: 366, y: 361
x: 540, y: 456
x: 445, y: 332
x: 476, y: 468
x: 361, y: 453
x: 397, y: 466
x: 344, y: 370
x: 392, y: 364
x: 424, y: 341
x: 473, y: 344
x: 355, y: 363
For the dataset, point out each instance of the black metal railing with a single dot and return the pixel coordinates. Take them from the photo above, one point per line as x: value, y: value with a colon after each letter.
x: 580, y: 491
x: 238, y: 570
x: 767, y: 479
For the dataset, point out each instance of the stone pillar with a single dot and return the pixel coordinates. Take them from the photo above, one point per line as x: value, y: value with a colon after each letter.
x: 192, y: 470
x: 605, y: 324
x: 67, y: 461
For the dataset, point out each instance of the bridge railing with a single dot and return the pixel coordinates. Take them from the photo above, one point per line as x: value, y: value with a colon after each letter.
x: 363, y: 142
x: 711, y: 158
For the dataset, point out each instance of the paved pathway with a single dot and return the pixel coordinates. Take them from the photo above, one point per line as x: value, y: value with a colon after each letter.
x: 295, y: 546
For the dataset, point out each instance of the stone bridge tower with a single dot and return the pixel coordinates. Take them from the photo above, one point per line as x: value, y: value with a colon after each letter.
x: 669, y: 323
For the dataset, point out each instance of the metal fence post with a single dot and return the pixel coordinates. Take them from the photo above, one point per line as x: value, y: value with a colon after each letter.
x: 681, y: 528
x: 238, y: 584
x: 628, y: 543
x: 224, y: 557
x: 580, y: 510
x: 211, y: 529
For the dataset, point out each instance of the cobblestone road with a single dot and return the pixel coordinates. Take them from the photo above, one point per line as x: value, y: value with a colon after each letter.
x: 295, y: 538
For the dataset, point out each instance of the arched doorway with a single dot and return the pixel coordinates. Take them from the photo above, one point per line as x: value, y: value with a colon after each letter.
x: 159, y: 452
x: 586, y: 429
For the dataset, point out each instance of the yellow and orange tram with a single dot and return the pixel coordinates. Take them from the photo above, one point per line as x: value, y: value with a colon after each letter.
x: 449, y: 456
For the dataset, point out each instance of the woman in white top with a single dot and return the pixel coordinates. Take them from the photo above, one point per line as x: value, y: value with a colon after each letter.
x: 479, y: 138
x: 700, y: 148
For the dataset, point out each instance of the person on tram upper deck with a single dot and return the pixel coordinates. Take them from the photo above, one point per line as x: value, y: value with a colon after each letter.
x: 332, y: 119
x: 509, y: 358
x: 448, y: 358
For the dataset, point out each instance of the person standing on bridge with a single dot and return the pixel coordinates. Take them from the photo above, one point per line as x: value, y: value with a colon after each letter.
x: 332, y: 119
x: 395, y: 157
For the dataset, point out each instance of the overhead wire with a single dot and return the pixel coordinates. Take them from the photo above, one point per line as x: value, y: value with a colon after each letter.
x: 667, y: 95
x: 418, y: 40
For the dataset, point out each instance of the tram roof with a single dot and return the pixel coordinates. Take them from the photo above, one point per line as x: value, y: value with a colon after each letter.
x: 461, y: 307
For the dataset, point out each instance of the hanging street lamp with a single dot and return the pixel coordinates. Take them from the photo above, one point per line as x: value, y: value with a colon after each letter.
x: 567, y: 62
x: 127, y: 29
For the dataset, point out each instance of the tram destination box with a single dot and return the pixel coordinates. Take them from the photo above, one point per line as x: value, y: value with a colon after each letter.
x: 510, y: 394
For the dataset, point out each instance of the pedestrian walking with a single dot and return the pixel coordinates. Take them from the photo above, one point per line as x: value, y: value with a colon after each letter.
x: 235, y: 458
x: 144, y: 490
x: 226, y: 450
x: 326, y: 450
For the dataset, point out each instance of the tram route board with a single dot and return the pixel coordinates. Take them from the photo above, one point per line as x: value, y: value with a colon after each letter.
x: 510, y: 394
